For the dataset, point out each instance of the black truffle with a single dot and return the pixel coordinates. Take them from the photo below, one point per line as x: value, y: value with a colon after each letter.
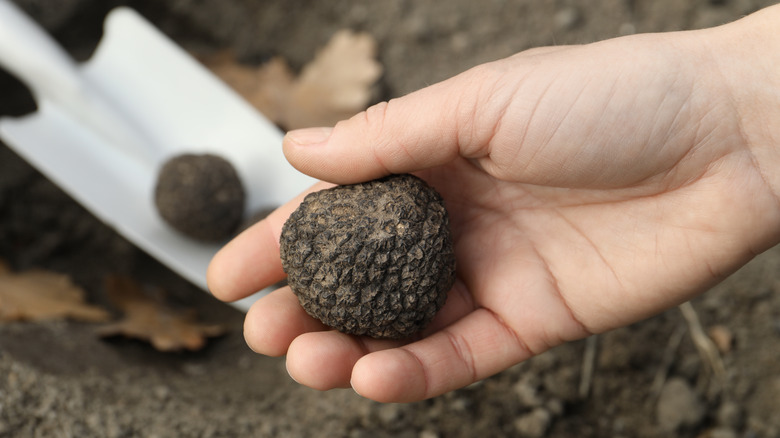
x: 201, y: 196
x: 372, y: 259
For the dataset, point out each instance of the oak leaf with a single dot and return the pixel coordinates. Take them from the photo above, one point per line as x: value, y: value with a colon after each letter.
x: 147, y: 318
x: 37, y: 295
x: 335, y: 85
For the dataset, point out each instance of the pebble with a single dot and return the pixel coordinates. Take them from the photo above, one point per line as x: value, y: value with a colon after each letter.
x: 721, y: 432
x: 194, y: 370
x: 416, y: 27
x: 534, y: 424
x: 161, y: 392
x: 567, y: 18
x: 563, y: 384
x: 358, y: 433
x: 689, y: 366
x: 358, y: 14
x: 555, y: 407
x: 389, y: 413
x: 527, y: 392
x: 461, y: 404
x: 723, y: 338
x: 678, y: 406
x: 627, y: 29
x: 730, y: 415
x: 460, y: 42
x: 615, y: 355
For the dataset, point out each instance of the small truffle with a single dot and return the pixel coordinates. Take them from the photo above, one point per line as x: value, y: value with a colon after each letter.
x: 200, y: 196
x: 372, y: 259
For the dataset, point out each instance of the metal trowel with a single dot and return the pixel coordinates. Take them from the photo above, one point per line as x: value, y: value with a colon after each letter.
x: 103, y: 128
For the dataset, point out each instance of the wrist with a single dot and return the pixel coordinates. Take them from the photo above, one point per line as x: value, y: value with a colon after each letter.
x: 746, y: 56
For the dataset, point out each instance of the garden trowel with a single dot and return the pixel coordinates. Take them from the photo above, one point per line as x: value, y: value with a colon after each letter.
x: 103, y: 128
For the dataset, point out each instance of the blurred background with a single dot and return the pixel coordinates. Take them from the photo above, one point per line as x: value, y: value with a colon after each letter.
x: 57, y: 378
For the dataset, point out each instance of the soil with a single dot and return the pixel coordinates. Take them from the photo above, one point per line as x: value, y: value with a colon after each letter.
x: 58, y: 379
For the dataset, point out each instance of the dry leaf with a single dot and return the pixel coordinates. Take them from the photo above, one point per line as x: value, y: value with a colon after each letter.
x: 148, y: 319
x: 37, y: 295
x: 267, y: 88
x: 334, y: 86
x: 337, y: 83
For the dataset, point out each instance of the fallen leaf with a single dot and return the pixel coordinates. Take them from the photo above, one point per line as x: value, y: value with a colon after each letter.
x: 37, y: 295
x: 149, y: 319
x: 337, y: 83
x: 267, y: 88
x: 334, y: 86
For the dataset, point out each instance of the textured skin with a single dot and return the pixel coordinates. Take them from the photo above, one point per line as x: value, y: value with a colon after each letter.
x: 371, y: 259
x: 201, y: 196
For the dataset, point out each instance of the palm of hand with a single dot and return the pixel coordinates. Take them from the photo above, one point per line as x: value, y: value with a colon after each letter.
x: 539, y: 266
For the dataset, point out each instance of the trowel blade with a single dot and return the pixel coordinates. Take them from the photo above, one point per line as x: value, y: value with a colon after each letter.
x: 182, y: 107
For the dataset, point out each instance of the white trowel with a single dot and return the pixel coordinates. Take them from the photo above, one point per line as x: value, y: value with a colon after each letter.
x: 103, y: 128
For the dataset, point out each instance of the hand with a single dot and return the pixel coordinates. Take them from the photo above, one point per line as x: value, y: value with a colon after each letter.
x: 588, y: 187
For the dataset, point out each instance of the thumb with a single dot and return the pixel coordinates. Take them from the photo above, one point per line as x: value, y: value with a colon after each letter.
x: 427, y: 128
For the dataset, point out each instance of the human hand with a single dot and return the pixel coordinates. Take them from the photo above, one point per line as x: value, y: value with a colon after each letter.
x: 588, y: 187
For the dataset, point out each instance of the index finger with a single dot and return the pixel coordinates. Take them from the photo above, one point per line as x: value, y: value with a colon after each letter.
x: 406, y: 134
x: 458, y: 117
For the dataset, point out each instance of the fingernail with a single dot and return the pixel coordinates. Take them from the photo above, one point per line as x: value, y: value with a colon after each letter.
x: 309, y: 136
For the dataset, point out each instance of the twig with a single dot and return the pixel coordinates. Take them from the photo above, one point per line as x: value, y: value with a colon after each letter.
x: 588, y: 361
x: 707, y: 349
x: 666, y: 362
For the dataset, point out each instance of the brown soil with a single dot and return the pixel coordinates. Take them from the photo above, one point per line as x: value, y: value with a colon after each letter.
x: 58, y: 379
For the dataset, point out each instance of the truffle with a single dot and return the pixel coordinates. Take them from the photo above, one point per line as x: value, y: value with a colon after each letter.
x: 372, y: 259
x: 200, y: 196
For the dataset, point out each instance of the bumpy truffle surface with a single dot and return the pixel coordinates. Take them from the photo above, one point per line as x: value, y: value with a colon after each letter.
x: 200, y: 195
x: 371, y: 259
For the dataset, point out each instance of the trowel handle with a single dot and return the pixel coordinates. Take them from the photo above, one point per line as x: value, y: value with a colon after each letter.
x: 34, y: 57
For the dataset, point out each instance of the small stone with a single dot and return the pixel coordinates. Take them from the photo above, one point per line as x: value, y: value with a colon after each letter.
x: 567, y: 18
x: 563, y: 384
x: 721, y: 432
x: 461, y: 404
x: 358, y: 13
x: 415, y: 28
x: 358, y: 433
x: 730, y: 415
x: 689, y: 366
x: 678, y: 406
x: 460, y: 42
x: 534, y: 424
x: 162, y: 392
x: 555, y: 407
x: 194, y: 370
x: 527, y: 393
x: 627, y: 29
x: 723, y: 338
x: 389, y: 413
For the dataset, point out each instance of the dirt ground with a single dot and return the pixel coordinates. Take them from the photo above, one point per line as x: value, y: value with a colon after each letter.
x: 59, y: 379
